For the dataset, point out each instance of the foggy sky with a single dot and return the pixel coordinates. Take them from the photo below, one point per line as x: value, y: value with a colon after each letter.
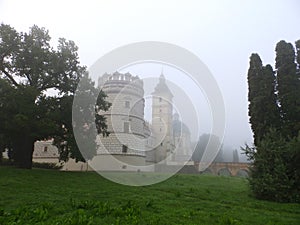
x: 223, y: 34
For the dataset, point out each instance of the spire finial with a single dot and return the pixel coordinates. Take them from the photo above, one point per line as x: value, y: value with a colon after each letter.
x: 162, y: 77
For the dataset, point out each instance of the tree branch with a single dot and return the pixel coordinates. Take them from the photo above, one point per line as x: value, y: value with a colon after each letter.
x: 45, y: 87
x: 10, y: 77
x: 29, y: 79
x: 6, y: 73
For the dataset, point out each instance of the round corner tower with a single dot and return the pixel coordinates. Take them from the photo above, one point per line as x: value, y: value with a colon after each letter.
x: 125, y: 120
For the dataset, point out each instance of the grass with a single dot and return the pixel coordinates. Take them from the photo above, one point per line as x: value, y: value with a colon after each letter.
x: 54, y: 197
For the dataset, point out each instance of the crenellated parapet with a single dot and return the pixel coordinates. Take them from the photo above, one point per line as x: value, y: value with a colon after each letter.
x: 125, y: 83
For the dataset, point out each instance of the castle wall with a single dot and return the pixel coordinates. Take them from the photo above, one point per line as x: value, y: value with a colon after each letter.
x: 116, y: 162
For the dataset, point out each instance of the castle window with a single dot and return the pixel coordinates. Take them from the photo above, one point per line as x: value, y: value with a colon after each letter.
x: 126, y: 127
x: 45, y: 149
x: 127, y: 104
x: 124, y: 149
x: 159, y: 110
x: 161, y: 144
x: 160, y: 99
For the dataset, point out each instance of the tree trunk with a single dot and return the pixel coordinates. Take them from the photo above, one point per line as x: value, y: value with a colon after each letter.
x: 22, y: 152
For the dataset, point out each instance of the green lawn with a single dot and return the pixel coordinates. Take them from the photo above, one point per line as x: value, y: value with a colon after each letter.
x: 54, y: 197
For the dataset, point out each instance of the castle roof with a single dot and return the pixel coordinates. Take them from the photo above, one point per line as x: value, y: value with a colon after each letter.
x: 161, y: 87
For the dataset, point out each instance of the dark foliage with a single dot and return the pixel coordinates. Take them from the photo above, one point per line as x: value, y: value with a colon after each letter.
x: 263, y: 107
x: 29, y: 69
x: 288, y: 87
x: 274, y: 110
x: 275, y: 173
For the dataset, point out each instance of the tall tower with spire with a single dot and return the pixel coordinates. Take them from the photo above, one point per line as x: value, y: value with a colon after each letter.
x: 162, y: 117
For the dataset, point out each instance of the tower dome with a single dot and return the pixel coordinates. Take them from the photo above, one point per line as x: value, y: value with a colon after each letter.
x: 179, y: 127
x: 182, y: 140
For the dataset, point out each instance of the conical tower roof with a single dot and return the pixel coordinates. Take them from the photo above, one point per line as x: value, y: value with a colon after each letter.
x: 162, y: 88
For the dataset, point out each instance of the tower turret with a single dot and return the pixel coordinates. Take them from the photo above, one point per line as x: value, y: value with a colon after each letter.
x: 162, y: 111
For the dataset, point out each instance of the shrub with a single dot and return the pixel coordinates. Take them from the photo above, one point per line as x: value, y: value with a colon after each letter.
x: 47, y: 165
x: 275, y: 171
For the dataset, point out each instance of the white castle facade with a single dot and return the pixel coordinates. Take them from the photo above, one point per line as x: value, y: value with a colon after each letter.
x: 133, y: 142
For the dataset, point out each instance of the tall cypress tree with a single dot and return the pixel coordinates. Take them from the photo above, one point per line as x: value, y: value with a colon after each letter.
x: 263, y: 109
x: 288, y: 86
x: 274, y: 103
x: 271, y: 116
x: 254, y: 74
x: 298, y: 56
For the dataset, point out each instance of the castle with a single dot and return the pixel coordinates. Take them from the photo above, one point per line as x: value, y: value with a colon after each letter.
x: 133, y: 142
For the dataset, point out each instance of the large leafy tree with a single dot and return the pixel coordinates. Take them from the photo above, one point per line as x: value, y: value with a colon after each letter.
x: 288, y: 87
x: 5, y: 91
x: 29, y: 69
x: 86, y: 122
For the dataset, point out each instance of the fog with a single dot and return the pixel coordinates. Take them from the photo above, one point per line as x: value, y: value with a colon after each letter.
x: 223, y: 34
